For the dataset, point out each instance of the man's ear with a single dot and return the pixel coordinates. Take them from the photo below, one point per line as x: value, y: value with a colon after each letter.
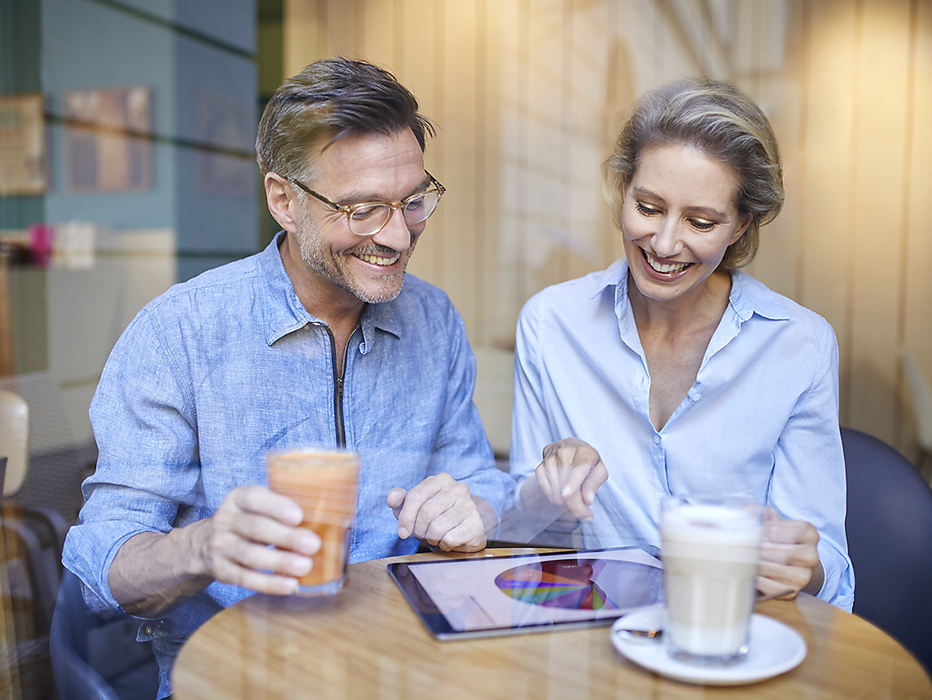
x: 282, y: 201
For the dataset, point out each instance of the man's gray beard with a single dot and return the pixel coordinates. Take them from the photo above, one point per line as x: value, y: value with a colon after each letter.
x: 313, y: 258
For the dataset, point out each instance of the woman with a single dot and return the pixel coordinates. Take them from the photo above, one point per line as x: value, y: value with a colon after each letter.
x: 685, y: 374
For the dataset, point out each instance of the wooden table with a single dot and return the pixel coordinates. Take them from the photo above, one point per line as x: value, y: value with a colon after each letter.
x: 368, y: 643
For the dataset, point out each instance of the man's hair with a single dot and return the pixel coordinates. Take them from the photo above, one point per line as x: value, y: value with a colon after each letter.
x: 326, y: 101
x: 724, y: 123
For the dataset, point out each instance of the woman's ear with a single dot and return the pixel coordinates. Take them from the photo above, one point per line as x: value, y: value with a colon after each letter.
x: 282, y: 201
x: 745, y: 222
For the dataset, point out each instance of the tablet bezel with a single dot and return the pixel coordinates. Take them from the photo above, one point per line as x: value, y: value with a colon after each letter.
x: 437, y: 624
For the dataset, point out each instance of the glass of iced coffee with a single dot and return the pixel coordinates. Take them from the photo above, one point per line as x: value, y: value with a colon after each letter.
x: 710, y: 551
x: 324, y: 482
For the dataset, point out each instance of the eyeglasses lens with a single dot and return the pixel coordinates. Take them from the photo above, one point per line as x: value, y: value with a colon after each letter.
x: 367, y: 219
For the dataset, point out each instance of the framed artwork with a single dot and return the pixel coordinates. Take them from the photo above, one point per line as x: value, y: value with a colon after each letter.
x: 22, y: 145
x: 108, y: 140
x: 226, y: 163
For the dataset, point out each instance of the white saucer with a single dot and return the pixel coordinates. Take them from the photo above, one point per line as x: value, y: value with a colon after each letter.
x: 774, y: 648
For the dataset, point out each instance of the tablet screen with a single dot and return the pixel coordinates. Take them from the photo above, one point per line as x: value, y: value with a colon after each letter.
x: 458, y: 598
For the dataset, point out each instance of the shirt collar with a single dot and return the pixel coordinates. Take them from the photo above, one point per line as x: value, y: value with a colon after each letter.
x: 284, y: 312
x: 747, y: 296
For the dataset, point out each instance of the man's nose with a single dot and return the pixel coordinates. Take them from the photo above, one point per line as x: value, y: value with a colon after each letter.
x: 395, y: 233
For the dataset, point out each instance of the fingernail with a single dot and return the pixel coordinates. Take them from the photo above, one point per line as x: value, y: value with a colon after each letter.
x: 302, y: 566
x: 310, y: 544
x: 403, y: 533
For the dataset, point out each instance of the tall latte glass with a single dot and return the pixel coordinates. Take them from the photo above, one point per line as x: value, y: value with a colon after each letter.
x: 324, y: 482
x: 710, y: 551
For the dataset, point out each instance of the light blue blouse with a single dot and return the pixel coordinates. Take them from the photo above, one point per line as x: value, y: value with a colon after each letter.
x: 761, y: 418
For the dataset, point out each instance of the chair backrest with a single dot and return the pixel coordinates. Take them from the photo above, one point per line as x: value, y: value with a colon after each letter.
x: 921, y: 393
x: 889, y: 529
x: 93, y: 658
x: 14, y: 439
x: 74, y: 676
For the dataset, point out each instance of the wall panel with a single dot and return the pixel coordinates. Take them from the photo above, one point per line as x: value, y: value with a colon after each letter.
x: 529, y: 95
x: 916, y: 312
x: 875, y: 246
x: 419, y: 70
x: 827, y: 167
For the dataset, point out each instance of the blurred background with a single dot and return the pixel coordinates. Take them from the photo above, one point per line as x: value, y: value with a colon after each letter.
x: 127, y: 164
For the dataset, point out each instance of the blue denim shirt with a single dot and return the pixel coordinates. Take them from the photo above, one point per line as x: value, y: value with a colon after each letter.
x: 221, y: 369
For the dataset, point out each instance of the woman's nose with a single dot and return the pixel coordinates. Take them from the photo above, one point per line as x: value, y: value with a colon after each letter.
x: 666, y: 240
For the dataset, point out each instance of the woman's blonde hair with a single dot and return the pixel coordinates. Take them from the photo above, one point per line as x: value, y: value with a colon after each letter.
x: 720, y: 120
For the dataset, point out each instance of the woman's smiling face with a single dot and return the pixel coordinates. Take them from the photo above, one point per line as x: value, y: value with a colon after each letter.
x: 678, y: 218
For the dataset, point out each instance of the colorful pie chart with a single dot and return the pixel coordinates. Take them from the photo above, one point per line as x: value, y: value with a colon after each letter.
x: 561, y: 583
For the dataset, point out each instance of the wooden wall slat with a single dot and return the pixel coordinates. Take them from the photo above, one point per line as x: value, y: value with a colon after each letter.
x: 875, y: 237
x: 419, y: 72
x: 343, y: 18
x: 917, y: 305
x: 459, y: 267
x: 376, y: 26
x: 827, y: 162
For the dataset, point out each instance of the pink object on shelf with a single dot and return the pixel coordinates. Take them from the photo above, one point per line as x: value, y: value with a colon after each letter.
x: 40, y: 242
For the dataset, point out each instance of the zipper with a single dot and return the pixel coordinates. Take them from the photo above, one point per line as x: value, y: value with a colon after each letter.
x: 338, y: 384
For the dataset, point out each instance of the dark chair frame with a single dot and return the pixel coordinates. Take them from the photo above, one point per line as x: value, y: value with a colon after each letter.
x: 889, y: 531
x: 97, y: 658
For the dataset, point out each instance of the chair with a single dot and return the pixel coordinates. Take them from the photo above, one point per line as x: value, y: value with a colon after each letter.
x: 921, y: 392
x: 31, y: 540
x: 94, y: 658
x: 889, y: 528
x: 42, y: 544
x: 14, y: 439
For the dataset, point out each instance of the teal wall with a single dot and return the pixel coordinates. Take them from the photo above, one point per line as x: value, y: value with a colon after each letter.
x: 189, y: 53
x: 20, y: 71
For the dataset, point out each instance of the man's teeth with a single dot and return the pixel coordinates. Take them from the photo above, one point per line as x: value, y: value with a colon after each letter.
x: 375, y: 260
x: 664, y: 267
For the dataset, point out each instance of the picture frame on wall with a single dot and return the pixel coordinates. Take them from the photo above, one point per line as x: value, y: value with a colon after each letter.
x: 108, y: 140
x: 225, y: 158
x: 22, y: 145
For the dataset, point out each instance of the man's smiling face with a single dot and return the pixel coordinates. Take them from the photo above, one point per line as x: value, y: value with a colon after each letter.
x: 353, y: 170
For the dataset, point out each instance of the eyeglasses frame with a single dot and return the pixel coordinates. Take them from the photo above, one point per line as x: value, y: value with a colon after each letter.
x: 349, y: 209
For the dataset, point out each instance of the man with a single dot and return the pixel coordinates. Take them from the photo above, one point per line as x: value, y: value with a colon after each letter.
x: 318, y: 339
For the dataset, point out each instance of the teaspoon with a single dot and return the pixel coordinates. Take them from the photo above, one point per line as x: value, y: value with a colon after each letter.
x: 657, y: 632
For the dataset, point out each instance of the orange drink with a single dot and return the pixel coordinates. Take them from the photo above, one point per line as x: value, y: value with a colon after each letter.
x: 324, y: 482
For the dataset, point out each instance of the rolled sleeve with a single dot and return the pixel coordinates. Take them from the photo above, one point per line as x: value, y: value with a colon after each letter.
x: 146, y: 465
x: 809, y: 473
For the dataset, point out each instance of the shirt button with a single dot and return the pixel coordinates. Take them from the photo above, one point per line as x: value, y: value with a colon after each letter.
x: 656, y: 439
x: 147, y: 629
x: 697, y: 396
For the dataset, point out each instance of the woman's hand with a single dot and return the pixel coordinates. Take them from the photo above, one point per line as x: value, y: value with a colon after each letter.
x: 789, y: 558
x: 570, y: 474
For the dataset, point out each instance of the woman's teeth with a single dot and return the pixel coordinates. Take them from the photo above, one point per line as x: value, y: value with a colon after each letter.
x: 375, y: 260
x: 664, y: 267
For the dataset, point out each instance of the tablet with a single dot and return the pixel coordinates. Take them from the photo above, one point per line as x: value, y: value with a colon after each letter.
x: 533, y: 592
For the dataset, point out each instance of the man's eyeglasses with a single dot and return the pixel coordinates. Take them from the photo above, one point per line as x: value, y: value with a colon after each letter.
x: 368, y: 218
